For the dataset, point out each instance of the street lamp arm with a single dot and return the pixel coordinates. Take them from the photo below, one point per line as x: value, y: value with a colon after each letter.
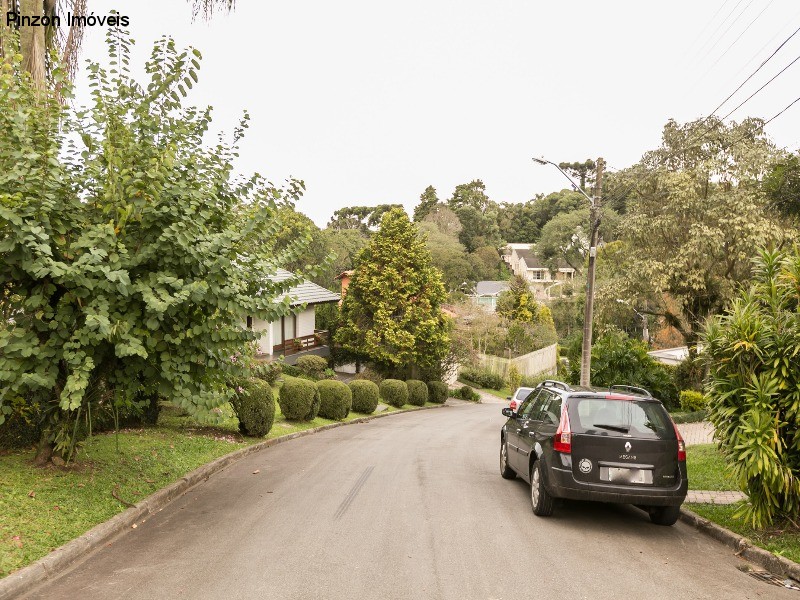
x: 575, y: 186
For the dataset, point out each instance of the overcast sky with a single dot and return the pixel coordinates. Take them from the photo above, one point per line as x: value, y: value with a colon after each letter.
x: 369, y: 102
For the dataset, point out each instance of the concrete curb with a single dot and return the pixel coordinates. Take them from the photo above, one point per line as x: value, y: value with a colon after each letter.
x: 743, y: 547
x: 60, y: 559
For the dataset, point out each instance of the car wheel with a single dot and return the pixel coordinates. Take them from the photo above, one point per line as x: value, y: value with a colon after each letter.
x: 541, y: 501
x: 506, y: 472
x: 664, y: 515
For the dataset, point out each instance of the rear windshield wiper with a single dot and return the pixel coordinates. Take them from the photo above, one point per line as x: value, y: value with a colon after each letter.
x: 620, y: 428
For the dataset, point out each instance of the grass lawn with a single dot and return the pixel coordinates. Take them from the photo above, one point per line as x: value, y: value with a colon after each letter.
x: 502, y: 393
x: 706, y: 469
x: 41, y: 509
x: 783, y: 540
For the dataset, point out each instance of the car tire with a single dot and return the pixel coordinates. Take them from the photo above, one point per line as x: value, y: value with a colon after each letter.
x: 506, y: 472
x: 664, y: 515
x: 541, y: 501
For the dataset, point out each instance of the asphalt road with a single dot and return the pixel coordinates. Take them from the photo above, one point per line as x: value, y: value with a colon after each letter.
x: 410, y: 506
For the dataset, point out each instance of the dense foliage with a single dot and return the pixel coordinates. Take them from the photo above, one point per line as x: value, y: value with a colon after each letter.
x: 335, y: 399
x: 417, y: 392
x: 394, y: 392
x: 437, y: 392
x: 754, y: 387
x: 391, y: 314
x: 127, y: 254
x: 365, y: 395
x: 254, y: 406
x: 312, y: 366
x: 298, y: 399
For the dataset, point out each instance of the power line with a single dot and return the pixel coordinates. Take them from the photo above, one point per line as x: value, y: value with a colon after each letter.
x: 768, y: 43
x: 778, y: 74
x: 720, y: 25
x: 749, y: 25
x: 724, y: 33
x: 708, y: 24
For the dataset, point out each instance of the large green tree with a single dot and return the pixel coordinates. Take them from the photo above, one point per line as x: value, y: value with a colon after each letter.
x: 695, y: 218
x: 129, y: 254
x: 391, y: 314
x: 428, y: 200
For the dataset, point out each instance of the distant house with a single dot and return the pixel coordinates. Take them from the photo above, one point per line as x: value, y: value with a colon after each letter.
x: 487, y: 293
x: 524, y: 262
x: 295, y: 332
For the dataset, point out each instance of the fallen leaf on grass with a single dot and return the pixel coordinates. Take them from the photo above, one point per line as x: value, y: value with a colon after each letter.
x: 81, y: 485
x: 257, y: 471
x: 134, y: 526
x: 149, y: 481
x: 56, y: 507
x: 31, y: 494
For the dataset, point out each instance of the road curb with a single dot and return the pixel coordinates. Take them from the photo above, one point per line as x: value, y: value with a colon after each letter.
x: 57, y: 561
x: 743, y: 547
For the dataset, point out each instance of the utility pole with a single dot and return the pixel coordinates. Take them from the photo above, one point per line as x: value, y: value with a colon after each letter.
x: 594, y: 220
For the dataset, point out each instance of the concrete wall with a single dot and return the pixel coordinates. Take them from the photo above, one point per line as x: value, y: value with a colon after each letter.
x: 540, y: 362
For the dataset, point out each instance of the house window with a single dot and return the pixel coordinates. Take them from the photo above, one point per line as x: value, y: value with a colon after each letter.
x: 537, y: 275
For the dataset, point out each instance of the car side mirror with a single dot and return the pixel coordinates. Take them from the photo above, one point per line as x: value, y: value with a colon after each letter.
x: 507, y: 412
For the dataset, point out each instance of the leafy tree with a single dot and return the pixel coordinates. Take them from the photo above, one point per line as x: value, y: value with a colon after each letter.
x: 392, y: 314
x: 519, y: 223
x: 754, y: 387
x: 697, y: 215
x: 517, y: 302
x: 445, y: 220
x: 566, y: 237
x: 486, y: 263
x: 782, y: 186
x: 127, y: 251
x: 428, y: 200
x: 477, y: 214
x: 362, y: 218
x: 470, y: 194
x: 449, y: 256
x: 582, y: 170
x: 619, y: 359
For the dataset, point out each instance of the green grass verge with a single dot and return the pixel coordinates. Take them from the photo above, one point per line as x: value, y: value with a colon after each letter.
x: 706, y: 469
x: 42, y: 509
x: 781, y: 540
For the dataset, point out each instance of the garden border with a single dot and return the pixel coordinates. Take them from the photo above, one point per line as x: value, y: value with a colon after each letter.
x: 60, y: 559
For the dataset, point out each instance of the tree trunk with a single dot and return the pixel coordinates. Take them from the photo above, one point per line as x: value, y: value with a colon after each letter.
x: 32, y: 43
x: 44, y: 451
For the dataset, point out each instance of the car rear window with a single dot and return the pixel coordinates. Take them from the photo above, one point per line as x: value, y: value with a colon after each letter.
x: 522, y: 393
x: 639, y: 418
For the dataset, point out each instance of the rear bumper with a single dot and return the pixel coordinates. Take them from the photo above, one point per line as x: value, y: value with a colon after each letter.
x: 561, y: 484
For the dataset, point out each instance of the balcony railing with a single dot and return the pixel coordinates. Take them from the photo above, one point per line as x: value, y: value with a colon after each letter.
x: 303, y: 342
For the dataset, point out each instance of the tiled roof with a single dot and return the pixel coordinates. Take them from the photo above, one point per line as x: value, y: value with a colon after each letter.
x: 534, y: 262
x: 307, y: 292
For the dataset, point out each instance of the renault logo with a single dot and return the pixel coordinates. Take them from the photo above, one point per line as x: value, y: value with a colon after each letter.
x: 627, y: 446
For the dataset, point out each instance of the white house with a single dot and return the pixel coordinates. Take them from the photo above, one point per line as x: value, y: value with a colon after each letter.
x: 525, y: 263
x: 294, y: 332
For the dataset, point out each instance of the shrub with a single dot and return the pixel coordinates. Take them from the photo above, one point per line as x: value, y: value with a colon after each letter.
x: 483, y: 378
x: 291, y: 370
x: 313, y: 366
x: 394, y: 392
x: 299, y: 399
x: 267, y: 371
x: 22, y: 427
x: 437, y: 392
x: 369, y: 375
x: 514, y: 377
x: 254, y: 406
x: 335, y: 399
x: 467, y: 393
x: 692, y: 401
x: 365, y: 396
x: 417, y: 392
x: 753, y: 388
x: 689, y: 374
x: 532, y: 380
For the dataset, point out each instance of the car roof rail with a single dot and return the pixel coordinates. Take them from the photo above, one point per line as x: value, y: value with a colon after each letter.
x: 555, y: 383
x: 631, y: 388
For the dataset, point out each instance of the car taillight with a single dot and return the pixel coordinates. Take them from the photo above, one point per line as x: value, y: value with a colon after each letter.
x: 513, y: 405
x: 562, y: 442
x: 681, y: 445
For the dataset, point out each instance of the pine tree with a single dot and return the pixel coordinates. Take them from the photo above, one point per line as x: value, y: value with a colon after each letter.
x: 392, y: 314
x: 428, y: 200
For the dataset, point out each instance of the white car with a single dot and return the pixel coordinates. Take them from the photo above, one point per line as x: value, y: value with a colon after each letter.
x: 518, y: 397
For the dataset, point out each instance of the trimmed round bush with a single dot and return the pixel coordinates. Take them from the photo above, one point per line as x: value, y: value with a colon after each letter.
x: 417, y: 392
x: 313, y: 366
x: 335, y: 399
x: 394, y: 392
x: 299, y: 399
x: 437, y: 392
x: 365, y: 396
x: 254, y: 406
x: 692, y: 401
x: 467, y: 393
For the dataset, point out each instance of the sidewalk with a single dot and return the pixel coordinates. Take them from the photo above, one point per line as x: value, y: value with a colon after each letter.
x: 703, y: 433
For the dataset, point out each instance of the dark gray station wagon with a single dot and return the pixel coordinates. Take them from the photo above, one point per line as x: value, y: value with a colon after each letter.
x: 616, y: 445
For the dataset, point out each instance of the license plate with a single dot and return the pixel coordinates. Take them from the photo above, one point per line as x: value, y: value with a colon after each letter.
x: 624, y: 475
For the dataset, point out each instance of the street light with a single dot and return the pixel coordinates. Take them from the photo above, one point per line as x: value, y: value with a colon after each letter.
x: 594, y: 220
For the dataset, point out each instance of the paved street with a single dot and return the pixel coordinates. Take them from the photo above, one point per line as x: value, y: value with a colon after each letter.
x: 411, y: 506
